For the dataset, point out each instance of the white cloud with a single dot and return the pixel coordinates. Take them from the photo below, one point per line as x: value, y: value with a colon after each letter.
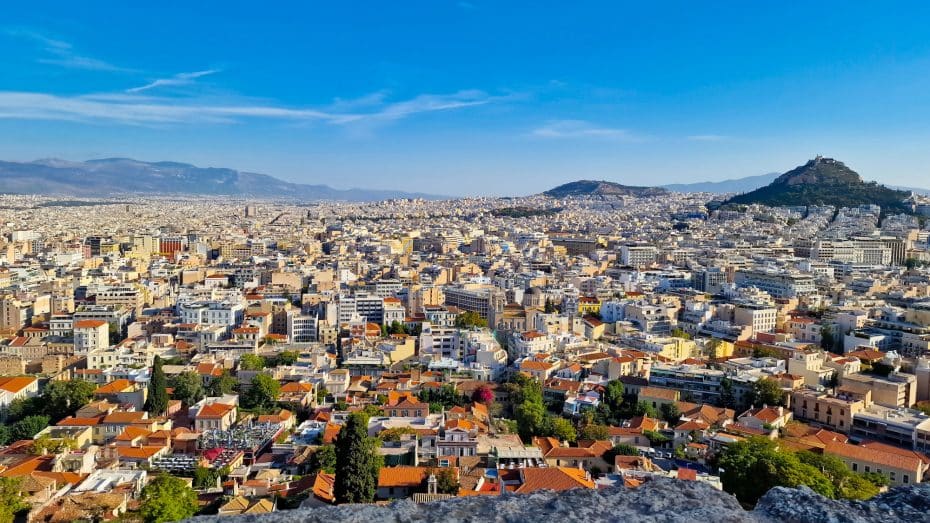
x: 582, y: 129
x: 129, y: 108
x: 176, y: 80
x: 62, y: 54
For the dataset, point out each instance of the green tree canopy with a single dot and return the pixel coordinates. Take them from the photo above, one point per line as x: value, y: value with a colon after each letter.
x: 157, y: 402
x: 670, y: 413
x: 767, y: 391
x: 221, y: 385
x: 752, y: 467
x: 594, y: 432
x: 167, y: 498
x: 205, y: 477
x: 60, y: 399
x: 469, y: 319
x: 562, y: 429
x: 357, y: 462
x: 323, y: 459
x: 262, y: 393
x: 251, y: 362
x: 28, y: 427
x: 11, y: 500
x: 187, y: 387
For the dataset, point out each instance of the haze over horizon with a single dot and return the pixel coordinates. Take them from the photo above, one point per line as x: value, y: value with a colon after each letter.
x: 471, y: 97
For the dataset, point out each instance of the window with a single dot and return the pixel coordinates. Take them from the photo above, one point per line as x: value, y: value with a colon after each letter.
x: 855, y: 467
x: 906, y: 479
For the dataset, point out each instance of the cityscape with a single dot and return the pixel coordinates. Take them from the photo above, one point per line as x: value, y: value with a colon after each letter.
x: 363, y: 335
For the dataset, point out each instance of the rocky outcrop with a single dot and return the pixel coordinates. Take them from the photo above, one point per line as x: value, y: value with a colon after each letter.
x: 666, y: 501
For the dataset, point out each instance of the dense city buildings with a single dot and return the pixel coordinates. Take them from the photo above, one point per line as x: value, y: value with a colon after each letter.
x: 645, y: 322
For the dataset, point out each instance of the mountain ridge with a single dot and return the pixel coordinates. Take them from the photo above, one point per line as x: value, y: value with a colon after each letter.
x: 824, y: 181
x: 122, y: 176
x: 601, y: 188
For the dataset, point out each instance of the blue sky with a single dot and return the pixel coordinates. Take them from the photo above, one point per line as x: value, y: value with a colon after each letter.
x: 472, y: 97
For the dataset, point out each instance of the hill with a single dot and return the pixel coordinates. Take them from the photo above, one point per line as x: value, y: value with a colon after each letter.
x: 120, y: 176
x: 736, y: 185
x: 601, y: 188
x: 824, y: 181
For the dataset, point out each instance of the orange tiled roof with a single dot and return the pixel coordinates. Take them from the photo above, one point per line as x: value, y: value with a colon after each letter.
x: 115, y: 386
x: 553, y: 478
x: 16, y: 384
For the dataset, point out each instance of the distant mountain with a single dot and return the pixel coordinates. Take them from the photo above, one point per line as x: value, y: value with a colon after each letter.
x: 824, y: 181
x: 601, y: 188
x: 120, y: 176
x: 737, y: 185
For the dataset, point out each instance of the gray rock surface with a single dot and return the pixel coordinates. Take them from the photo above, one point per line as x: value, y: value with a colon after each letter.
x: 665, y: 501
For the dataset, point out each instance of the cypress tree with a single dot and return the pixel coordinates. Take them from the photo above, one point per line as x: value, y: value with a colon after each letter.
x: 357, y: 462
x: 157, y: 402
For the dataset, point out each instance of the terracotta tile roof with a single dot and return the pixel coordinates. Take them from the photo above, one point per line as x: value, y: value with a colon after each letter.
x: 115, y: 386
x: 123, y: 418
x: 89, y: 324
x: 16, y: 384
x: 874, y: 455
x: 146, y: 452
x: 553, y: 478
x: 535, y: 365
x: 130, y: 433
x: 79, y: 422
x: 402, y: 476
x: 659, y: 393
x: 214, y: 410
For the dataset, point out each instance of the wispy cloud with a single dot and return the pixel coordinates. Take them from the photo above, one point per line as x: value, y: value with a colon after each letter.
x: 465, y: 5
x: 581, y: 129
x: 62, y: 54
x: 708, y: 138
x: 173, y: 81
x: 138, y: 109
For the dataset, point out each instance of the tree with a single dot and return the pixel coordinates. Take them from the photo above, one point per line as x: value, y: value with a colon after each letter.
x: 167, y: 498
x: 22, y: 407
x: 670, y: 413
x: 767, y: 391
x: 28, y: 427
x: 846, y: 483
x: 562, y: 429
x: 11, y: 499
x: 644, y: 409
x: 827, y: 339
x: 251, y: 362
x: 594, y: 432
x: 549, y: 307
x: 446, y: 482
x: 205, y: 477
x: 262, y: 394
x: 323, y: 459
x: 187, y: 387
x: 752, y: 467
x: 286, y: 357
x: 396, y: 433
x: 357, y: 462
x: 612, y: 402
x: 60, y: 399
x: 222, y: 384
x: 678, y: 333
x: 765, y: 352
x: 483, y: 394
x: 469, y: 319
x: 727, y: 398
x: 623, y: 449
x: 530, y: 416
x: 655, y: 437
x: 157, y: 401
x: 5, y: 435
